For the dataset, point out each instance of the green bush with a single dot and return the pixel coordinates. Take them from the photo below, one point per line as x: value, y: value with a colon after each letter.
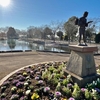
x: 97, y: 38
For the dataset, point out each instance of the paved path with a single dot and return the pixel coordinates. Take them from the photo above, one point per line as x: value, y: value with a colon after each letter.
x: 12, y: 61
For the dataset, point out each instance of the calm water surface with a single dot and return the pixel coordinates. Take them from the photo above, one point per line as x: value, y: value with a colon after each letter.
x: 7, y: 45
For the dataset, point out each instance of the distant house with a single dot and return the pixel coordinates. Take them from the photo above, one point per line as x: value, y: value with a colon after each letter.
x: 3, y: 36
x: 22, y: 36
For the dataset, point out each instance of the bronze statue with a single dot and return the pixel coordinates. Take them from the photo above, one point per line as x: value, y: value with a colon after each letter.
x: 82, y: 23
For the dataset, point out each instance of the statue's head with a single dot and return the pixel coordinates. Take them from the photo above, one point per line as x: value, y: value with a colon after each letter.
x: 85, y: 14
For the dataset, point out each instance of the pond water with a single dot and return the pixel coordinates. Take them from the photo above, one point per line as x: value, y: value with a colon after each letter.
x: 12, y: 44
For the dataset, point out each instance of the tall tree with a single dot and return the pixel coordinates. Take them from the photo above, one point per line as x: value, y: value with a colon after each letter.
x: 47, y: 32
x: 60, y: 35
x: 11, y: 33
x: 70, y: 28
x: 97, y: 38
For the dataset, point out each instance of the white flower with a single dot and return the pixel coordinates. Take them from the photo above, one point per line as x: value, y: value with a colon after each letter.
x: 55, y: 99
x: 27, y: 92
x: 37, y: 72
x: 69, y: 76
x: 93, y: 91
x: 40, y: 81
x: 98, y: 71
x: 25, y: 84
x: 28, y: 77
x: 13, y: 88
x: 36, y: 78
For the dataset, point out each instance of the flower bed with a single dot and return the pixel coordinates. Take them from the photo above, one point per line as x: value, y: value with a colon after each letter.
x: 47, y: 82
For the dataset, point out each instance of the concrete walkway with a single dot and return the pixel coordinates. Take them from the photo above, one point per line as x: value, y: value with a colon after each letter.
x: 12, y: 61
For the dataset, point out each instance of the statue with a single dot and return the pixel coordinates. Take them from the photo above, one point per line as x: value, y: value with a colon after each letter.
x: 82, y: 23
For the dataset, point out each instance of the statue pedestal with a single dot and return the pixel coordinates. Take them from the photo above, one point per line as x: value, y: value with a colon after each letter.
x: 81, y: 64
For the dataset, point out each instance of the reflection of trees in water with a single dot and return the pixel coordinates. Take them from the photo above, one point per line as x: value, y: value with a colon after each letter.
x: 39, y: 47
x: 22, y: 44
x: 30, y: 45
x: 3, y: 41
x: 34, y: 46
x: 66, y: 49
x: 11, y: 43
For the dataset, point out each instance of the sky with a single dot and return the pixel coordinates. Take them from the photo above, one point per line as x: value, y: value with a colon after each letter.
x: 21, y: 14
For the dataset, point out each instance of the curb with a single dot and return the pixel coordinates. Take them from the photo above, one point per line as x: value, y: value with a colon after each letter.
x: 15, y: 51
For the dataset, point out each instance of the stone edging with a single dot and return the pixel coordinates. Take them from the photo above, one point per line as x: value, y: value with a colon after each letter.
x: 16, y: 51
x: 9, y: 75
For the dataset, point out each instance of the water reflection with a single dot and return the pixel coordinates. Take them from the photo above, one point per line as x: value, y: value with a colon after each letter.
x: 13, y: 44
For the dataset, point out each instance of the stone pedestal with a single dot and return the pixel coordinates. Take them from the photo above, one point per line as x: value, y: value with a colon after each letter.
x: 81, y: 64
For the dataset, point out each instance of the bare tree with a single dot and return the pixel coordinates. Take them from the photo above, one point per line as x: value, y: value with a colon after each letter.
x: 35, y: 32
x: 30, y: 31
x: 92, y: 27
x: 56, y: 26
x: 4, y: 29
x: 94, y: 24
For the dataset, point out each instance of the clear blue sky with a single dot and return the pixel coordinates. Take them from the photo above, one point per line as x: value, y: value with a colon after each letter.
x: 24, y: 13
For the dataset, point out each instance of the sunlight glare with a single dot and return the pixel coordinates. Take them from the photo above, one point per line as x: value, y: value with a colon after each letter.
x: 4, y: 3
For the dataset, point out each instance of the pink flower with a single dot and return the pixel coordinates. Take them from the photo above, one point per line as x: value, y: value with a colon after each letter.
x: 71, y: 98
x: 46, y: 89
x: 83, y: 89
x: 37, y: 78
x: 14, y: 82
x: 69, y: 85
x: 19, y: 84
x: 57, y: 94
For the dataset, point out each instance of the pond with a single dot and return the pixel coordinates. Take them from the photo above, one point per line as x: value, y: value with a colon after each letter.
x: 12, y: 44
